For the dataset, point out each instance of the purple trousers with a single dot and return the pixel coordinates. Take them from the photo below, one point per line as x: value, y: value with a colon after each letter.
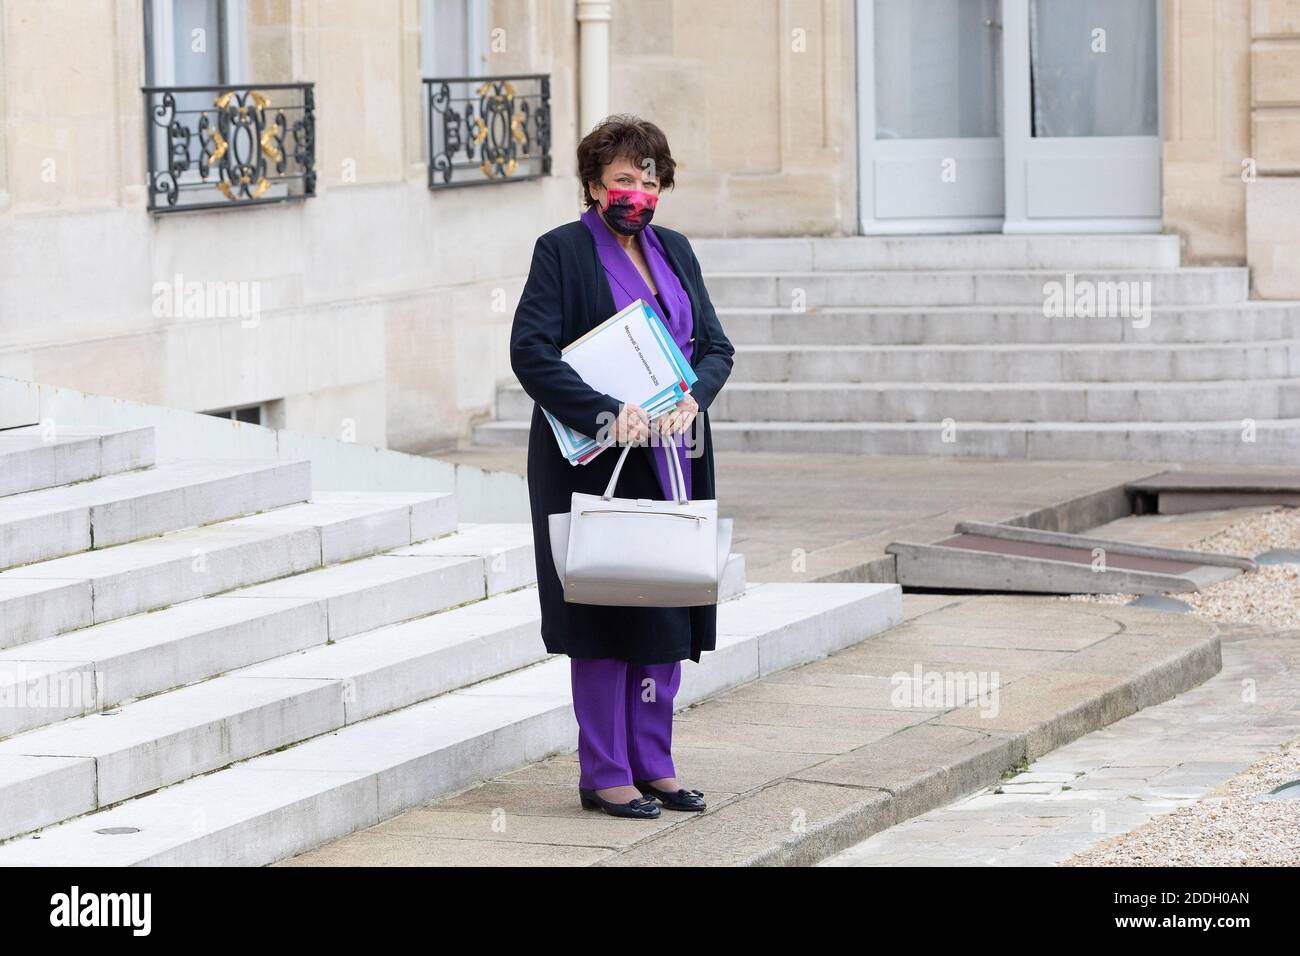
x: 625, y: 720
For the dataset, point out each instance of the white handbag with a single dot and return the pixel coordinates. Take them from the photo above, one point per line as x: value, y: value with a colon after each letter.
x: 641, y: 551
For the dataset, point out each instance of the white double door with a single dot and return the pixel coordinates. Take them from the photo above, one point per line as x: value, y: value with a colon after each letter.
x: 1009, y: 115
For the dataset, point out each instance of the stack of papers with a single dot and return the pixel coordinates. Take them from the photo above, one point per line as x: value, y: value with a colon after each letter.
x: 632, y: 357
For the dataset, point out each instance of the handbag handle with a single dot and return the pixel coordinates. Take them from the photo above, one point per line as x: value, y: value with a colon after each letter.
x: 675, y: 473
x: 676, y: 480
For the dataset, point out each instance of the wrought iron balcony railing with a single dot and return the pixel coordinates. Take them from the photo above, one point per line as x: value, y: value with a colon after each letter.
x: 488, y: 129
x: 216, y: 147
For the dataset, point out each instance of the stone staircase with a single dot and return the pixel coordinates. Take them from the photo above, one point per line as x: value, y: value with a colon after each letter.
x: 940, y: 346
x: 206, y: 662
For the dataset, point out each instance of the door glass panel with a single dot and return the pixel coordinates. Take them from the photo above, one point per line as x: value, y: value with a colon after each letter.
x: 199, y: 45
x: 1093, y: 67
x: 936, y: 66
x: 450, y: 28
x: 198, y: 50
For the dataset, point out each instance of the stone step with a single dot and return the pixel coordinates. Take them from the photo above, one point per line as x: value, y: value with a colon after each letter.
x: 1010, y: 325
x: 984, y: 251
x: 1262, y: 441
x: 62, y: 594
x: 1079, y: 402
x: 1020, y: 363
x: 35, y: 456
x: 106, y: 665
x: 827, y: 400
x: 1275, y: 441
x: 53, y: 522
x: 278, y: 804
x: 828, y: 290
x: 374, y: 672
x: 163, y: 739
x: 144, y: 654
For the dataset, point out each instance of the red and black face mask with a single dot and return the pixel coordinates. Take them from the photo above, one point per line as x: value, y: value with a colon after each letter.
x: 628, y: 211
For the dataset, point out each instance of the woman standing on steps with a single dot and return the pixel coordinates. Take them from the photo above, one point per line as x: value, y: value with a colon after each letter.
x: 625, y: 661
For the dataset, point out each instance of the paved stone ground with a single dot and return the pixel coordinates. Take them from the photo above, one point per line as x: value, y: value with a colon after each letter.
x: 821, y: 750
x: 1115, y: 780
x: 838, y: 512
x: 801, y: 763
x: 1241, y: 823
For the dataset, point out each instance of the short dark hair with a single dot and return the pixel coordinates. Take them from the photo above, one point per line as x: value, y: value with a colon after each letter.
x: 627, y: 136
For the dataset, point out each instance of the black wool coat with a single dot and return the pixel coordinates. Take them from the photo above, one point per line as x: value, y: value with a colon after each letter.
x: 566, y: 295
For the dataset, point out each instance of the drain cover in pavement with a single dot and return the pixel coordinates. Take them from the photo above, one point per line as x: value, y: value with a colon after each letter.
x: 1159, y: 602
x: 1278, y: 556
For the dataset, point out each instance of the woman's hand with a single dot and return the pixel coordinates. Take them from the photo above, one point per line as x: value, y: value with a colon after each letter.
x: 680, y: 418
x: 632, y: 425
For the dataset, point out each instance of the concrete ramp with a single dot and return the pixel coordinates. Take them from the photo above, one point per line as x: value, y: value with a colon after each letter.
x: 1178, y: 492
x: 999, y: 557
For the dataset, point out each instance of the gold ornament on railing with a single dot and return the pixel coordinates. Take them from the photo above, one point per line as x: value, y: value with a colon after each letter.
x: 220, y: 151
x: 266, y: 141
x: 268, y: 145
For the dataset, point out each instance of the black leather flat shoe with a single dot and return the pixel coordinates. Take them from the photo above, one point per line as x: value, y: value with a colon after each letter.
x: 640, y: 808
x: 689, y: 800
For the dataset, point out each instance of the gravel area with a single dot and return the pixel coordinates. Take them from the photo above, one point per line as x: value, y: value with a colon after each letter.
x: 1269, y: 597
x: 1279, y: 528
x: 1227, y: 827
